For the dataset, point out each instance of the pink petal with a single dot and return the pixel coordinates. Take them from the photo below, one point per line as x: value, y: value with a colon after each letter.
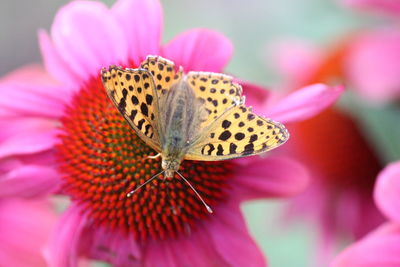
x: 33, y: 73
x: 88, y: 37
x: 232, y: 239
x: 159, y: 254
x: 256, y: 96
x: 11, y: 127
x: 28, y: 143
x: 65, y: 243
x: 387, y: 191
x: 379, y: 81
x: 111, y: 246
x: 32, y: 100
x: 141, y: 22
x: 380, y: 248
x: 270, y: 177
x: 43, y: 158
x: 196, y: 250
x: 29, y: 181
x: 357, y: 213
x: 25, y: 227
x: 199, y: 50
x: 54, y: 63
x: 304, y: 103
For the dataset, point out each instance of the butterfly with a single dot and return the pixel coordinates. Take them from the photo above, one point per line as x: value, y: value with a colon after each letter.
x: 192, y: 116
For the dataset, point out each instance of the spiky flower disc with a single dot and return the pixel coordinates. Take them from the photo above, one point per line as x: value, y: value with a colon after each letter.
x: 102, y: 159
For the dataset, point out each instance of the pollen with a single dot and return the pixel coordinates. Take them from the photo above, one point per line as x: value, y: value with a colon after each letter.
x: 102, y: 159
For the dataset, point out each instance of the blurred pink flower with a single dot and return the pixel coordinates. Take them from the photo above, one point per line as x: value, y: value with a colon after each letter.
x: 301, y: 62
x: 382, y: 246
x: 342, y: 163
x: 372, y: 65
x: 75, y: 142
x: 294, y: 59
x: 25, y: 227
x: 391, y: 7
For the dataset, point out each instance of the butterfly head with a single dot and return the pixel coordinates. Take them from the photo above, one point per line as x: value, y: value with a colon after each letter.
x: 170, y: 165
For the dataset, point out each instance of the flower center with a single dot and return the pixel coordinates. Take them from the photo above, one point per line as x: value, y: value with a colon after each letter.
x: 102, y: 160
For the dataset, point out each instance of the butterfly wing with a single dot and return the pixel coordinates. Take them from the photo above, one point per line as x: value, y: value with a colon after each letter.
x: 217, y: 91
x: 163, y: 72
x: 133, y: 92
x: 231, y: 130
x: 237, y: 133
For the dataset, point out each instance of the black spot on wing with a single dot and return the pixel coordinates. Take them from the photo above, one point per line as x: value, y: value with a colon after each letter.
x: 232, y: 148
x: 220, y: 150
x: 212, y: 148
x: 225, y: 135
x: 239, y: 136
x: 140, y: 124
x: 251, y: 116
x: 124, y: 93
x: 133, y: 114
x: 134, y: 100
x: 146, y: 129
x: 226, y: 124
x: 248, y: 149
x: 149, y: 99
x: 144, y: 109
x: 253, y: 138
x: 122, y: 105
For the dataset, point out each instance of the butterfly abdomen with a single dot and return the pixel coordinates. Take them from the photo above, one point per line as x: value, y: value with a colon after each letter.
x: 178, y: 119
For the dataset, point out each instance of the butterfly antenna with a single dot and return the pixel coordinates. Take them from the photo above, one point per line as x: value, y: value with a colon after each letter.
x: 140, y: 186
x: 198, y: 195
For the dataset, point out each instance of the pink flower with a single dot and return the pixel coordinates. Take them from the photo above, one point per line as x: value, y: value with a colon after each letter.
x: 382, y: 246
x: 25, y: 227
x: 79, y: 145
x: 342, y: 163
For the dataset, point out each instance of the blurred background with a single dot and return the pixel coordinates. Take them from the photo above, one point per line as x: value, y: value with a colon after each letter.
x: 254, y: 26
x: 251, y: 25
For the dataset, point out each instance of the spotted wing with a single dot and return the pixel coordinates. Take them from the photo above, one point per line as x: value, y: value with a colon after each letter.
x: 238, y: 133
x: 163, y: 72
x: 217, y: 91
x: 133, y: 92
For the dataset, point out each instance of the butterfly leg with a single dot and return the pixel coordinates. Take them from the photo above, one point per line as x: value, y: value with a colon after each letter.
x: 154, y: 157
